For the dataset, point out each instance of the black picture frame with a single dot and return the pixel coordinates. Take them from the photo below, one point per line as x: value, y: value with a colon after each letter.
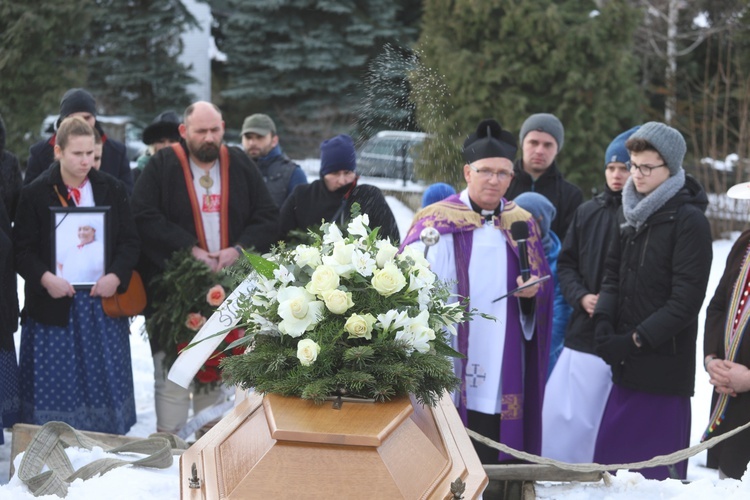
x: 75, y: 257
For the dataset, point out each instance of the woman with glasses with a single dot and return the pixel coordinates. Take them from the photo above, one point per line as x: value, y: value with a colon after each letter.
x: 647, y: 314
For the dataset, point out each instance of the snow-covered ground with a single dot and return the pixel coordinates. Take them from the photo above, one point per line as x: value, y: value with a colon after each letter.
x: 128, y: 483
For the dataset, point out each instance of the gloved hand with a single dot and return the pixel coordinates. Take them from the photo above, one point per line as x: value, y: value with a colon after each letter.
x: 615, y: 349
x: 603, y: 330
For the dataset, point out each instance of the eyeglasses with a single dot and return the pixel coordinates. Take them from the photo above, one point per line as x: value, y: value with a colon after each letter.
x: 486, y: 174
x: 645, y: 170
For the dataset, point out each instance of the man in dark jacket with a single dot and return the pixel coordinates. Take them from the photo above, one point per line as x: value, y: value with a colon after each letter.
x: 260, y: 142
x: 579, y: 385
x: 647, y: 313
x: 331, y: 197
x: 10, y: 176
x: 79, y: 102
x: 542, y: 137
x: 199, y: 176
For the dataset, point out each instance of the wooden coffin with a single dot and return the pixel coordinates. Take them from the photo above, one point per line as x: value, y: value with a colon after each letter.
x: 278, y: 447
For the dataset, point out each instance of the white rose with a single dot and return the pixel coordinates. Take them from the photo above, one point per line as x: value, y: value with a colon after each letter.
x: 307, y: 256
x: 337, y: 301
x: 307, y: 351
x: 386, y: 252
x: 388, y: 280
x: 358, y: 227
x: 299, y: 311
x: 360, y: 326
x: 324, y: 278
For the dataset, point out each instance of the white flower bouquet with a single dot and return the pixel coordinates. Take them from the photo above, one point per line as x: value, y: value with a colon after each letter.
x: 347, y: 315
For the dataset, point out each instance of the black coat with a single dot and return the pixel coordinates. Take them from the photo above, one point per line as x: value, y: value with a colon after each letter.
x: 580, y: 266
x: 8, y: 291
x: 114, y: 159
x: 565, y: 196
x: 164, y: 217
x: 33, y: 247
x: 310, y: 203
x: 10, y: 182
x: 655, y: 283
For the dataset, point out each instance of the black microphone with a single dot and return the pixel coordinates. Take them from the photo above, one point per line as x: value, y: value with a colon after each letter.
x: 519, y: 230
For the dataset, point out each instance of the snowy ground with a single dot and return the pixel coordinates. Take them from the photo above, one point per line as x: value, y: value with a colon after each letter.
x: 128, y: 483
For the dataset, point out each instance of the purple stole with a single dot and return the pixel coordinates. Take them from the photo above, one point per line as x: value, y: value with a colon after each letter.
x: 523, y: 380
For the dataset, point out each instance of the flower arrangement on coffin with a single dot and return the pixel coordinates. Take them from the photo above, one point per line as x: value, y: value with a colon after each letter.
x: 190, y: 292
x: 347, y: 315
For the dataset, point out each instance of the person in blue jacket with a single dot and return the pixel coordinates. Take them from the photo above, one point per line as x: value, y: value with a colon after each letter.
x: 544, y: 213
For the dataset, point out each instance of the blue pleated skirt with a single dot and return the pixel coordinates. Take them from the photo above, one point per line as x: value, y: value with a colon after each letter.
x: 80, y: 374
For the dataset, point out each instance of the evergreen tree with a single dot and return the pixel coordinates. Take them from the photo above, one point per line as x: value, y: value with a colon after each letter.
x: 132, y: 56
x: 38, y: 62
x: 302, y: 61
x: 512, y: 58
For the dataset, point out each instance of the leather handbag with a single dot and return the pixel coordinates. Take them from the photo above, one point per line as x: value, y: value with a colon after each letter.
x: 131, y: 302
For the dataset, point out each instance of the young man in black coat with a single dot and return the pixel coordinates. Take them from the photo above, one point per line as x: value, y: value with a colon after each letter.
x: 330, y: 198
x: 542, y: 137
x: 79, y: 102
x: 647, y: 313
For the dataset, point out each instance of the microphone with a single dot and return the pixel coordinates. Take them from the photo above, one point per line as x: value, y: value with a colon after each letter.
x: 520, y: 233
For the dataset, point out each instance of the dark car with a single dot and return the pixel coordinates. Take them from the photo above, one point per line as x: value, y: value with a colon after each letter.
x: 390, y: 153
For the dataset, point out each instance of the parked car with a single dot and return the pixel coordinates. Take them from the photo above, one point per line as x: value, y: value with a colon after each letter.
x: 390, y: 153
x: 125, y: 129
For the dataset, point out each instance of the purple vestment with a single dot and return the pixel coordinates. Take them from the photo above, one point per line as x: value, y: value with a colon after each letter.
x: 524, y: 364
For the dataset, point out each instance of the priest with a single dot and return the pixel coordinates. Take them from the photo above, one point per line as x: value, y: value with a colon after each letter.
x: 503, y: 374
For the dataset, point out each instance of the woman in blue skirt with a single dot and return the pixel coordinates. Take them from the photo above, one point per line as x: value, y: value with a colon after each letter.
x: 75, y: 360
x: 9, y: 402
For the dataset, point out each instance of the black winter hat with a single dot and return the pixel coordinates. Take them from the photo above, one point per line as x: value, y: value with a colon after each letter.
x: 77, y: 101
x: 489, y: 141
x: 165, y: 126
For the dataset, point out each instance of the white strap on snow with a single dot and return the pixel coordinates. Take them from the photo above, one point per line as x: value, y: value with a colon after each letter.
x: 203, y: 344
x: 48, y: 448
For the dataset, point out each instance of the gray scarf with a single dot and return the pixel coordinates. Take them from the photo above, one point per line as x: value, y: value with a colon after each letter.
x: 638, y: 207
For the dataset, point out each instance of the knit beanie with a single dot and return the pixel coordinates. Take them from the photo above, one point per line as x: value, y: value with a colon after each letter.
x: 544, y: 122
x: 77, y: 101
x: 337, y: 153
x: 668, y: 142
x: 616, y: 151
x: 436, y: 192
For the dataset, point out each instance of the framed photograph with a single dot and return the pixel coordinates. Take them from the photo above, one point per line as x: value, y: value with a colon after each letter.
x: 79, y: 244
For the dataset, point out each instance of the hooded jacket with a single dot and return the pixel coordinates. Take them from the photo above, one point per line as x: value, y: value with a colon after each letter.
x: 565, y: 196
x: 654, y: 284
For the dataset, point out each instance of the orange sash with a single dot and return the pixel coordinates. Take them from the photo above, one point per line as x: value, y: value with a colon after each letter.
x: 223, y: 210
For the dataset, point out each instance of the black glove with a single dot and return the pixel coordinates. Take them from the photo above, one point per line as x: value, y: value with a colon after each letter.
x: 616, y: 348
x: 603, y: 330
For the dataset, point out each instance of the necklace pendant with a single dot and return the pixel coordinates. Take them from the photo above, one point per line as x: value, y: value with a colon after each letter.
x: 206, y: 181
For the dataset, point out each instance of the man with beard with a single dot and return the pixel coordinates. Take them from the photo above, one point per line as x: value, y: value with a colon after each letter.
x: 261, y: 143
x: 198, y: 194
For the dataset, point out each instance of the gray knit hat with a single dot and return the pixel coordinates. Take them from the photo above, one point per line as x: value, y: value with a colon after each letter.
x: 544, y: 122
x: 668, y: 142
